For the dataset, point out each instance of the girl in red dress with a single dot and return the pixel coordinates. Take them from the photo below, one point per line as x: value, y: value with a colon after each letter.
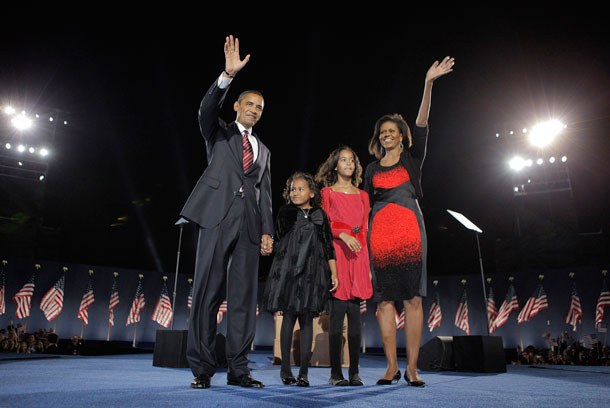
x: 348, y: 212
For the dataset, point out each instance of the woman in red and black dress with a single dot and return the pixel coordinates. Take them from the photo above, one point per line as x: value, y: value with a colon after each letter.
x: 396, y: 233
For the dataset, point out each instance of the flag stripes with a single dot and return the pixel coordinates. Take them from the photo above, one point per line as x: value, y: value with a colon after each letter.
x: 52, y: 302
x: 85, y: 302
x: 163, y: 312
x: 23, y: 299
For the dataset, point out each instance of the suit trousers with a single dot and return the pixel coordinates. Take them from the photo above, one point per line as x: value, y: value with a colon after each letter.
x: 226, y: 265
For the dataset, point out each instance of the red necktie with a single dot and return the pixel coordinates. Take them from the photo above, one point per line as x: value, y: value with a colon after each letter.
x: 248, y: 154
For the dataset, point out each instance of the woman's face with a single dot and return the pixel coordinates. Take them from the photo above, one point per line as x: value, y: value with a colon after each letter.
x: 389, y: 135
x: 346, y: 164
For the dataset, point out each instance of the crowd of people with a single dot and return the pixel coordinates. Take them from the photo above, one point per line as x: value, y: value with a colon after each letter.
x: 565, y: 351
x: 15, y: 339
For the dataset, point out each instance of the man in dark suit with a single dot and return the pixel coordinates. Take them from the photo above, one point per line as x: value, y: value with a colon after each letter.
x: 231, y: 204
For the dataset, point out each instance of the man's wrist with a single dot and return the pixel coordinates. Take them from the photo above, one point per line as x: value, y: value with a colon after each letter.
x: 228, y: 74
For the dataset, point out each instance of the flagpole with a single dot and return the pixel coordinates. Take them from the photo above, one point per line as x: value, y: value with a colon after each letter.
x: 180, y: 224
x: 135, y: 330
x: 476, y: 234
x: 548, y: 313
x: 108, y: 335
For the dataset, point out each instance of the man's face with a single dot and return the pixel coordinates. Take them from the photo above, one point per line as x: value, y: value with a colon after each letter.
x: 249, y: 109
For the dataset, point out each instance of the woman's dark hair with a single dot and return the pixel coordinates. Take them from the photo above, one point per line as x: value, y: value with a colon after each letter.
x: 327, y: 175
x: 375, y: 147
x: 316, y: 201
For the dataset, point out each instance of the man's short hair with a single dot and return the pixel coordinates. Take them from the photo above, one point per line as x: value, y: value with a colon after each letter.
x: 250, y: 91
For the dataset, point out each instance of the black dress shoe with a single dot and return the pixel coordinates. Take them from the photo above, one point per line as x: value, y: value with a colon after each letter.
x: 340, y: 382
x: 289, y: 380
x: 245, y: 381
x: 394, y: 380
x: 201, y: 381
x: 302, y: 381
x: 416, y: 383
x: 356, y: 381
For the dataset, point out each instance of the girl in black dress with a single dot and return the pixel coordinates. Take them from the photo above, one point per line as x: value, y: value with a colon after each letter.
x: 304, y: 270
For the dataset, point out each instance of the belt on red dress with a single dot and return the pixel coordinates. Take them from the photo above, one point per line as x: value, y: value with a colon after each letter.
x: 354, y: 231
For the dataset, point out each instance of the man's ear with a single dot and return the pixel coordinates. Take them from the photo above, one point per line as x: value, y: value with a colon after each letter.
x: 236, y: 106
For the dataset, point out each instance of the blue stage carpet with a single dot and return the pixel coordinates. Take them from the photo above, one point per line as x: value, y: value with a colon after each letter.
x: 132, y: 381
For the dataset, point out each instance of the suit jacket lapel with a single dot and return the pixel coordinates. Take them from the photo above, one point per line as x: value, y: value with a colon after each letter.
x: 236, y: 142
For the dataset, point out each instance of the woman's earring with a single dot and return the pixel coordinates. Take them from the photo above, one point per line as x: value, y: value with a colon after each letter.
x: 401, y: 146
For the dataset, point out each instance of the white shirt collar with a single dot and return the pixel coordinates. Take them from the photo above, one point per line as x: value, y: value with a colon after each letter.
x: 242, y: 128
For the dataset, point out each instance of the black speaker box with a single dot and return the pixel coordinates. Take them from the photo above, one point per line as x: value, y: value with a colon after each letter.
x: 437, y: 355
x: 479, y: 354
x: 170, y: 349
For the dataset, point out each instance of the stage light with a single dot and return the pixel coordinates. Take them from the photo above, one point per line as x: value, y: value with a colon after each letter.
x: 21, y: 148
x: 528, y: 162
x: 65, y: 122
x: 21, y: 122
x: 544, y: 133
x: 539, y: 161
x: 517, y: 163
x: 564, y: 159
x: 524, y: 130
x: 9, y: 110
x: 41, y: 178
x: 551, y: 160
x: 31, y: 150
x: 50, y: 118
x: 511, y: 132
x: 516, y: 189
x: 37, y: 116
x: 20, y: 163
x: 44, y: 152
x: 497, y: 135
x: 8, y: 146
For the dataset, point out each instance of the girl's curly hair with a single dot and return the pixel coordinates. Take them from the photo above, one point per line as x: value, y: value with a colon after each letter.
x: 316, y: 201
x: 327, y: 175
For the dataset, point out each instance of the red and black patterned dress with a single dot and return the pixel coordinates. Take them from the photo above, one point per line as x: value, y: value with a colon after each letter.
x: 396, y: 232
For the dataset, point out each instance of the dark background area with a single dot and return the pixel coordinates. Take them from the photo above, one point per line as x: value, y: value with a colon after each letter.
x: 130, y: 87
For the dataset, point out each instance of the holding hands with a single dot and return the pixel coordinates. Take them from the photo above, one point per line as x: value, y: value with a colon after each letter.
x: 233, y: 63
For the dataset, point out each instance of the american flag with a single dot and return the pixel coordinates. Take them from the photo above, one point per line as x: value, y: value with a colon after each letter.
x: 222, y: 309
x: 137, y: 306
x: 492, y: 310
x: 461, y: 314
x: 400, y: 320
x: 53, y: 302
x: 435, y: 316
x: 509, y: 304
x: 23, y: 298
x: 85, y: 302
x: 189, y: 300
x: 602, y: 301
x: 114, y: 302
x: 575, y: 311
x: 362, y: 306
x: 2, y: 303
x: 163, y: 310
x: 534, y: 304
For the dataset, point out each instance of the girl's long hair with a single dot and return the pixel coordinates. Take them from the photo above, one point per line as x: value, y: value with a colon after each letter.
x: 327, y: 175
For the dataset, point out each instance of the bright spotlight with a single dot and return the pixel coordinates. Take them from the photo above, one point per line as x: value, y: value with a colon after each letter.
x: 21, y: 148
x: 8, y: 146
x: 31, y: 150
x: 551, y: 160
x: 516, y: 189
x: 539, y: 161
x: 41, y: 178
x: 564, y: 159
x: 517, y: 163
x: 44, y: 152
x: 524, y: 130
x: 50, y: 118
x: 544, y: 133
x: 65, y: 122
x: 9, y: 110
x: 21, y: 122
x: 528, y: 162
x: 497, y: 135
x: 20, y: 163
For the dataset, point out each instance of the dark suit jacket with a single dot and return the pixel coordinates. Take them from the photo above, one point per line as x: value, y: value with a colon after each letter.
x: 216, y: 189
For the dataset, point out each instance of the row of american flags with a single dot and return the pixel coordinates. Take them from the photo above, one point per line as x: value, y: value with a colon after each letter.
x: 52, y: 302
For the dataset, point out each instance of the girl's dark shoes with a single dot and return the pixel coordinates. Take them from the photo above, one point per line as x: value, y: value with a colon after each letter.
x: 289, y: 380
x: 341, y: 382
x: 356, y: 381
x: 394, y: 380
x: 302, y: 381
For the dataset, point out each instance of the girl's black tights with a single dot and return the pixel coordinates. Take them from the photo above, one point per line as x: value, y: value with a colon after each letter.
x: 306, y: 325
x: 339, y: 309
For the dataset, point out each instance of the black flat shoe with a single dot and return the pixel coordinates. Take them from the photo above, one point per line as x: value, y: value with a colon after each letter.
x: 341, y: 382
x: 394, y: 380
x: 416, y: 383
x: 289, y: 380
x: 245, y: 381
x: 201, y: 381
x: 356, y: 381
x: 302, y: 381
